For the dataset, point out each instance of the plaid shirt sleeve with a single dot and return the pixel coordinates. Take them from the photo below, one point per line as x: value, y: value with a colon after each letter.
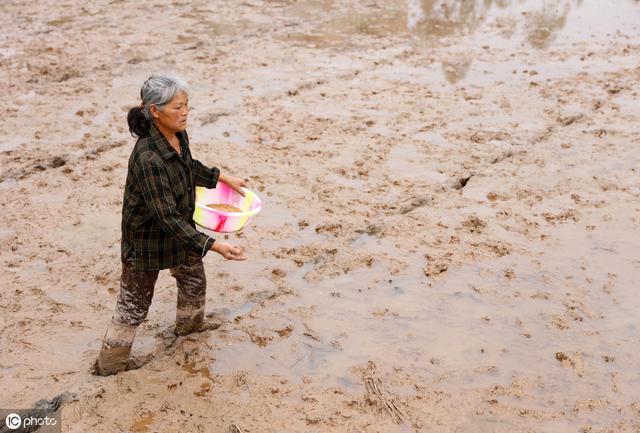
x: 156, y: 190
x: 204, y: 176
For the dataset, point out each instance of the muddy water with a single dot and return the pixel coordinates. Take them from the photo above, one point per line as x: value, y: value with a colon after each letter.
x: 548, y: 317
x: 473, y: 28
x: 338, y: 112
x: 514, y: 23
x: 448, y: 321
x: 562, y: 323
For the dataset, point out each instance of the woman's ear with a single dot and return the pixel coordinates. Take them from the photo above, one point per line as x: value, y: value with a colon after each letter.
x: 154, y: 111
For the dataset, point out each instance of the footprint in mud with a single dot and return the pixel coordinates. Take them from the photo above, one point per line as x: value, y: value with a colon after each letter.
x: 213, y: 320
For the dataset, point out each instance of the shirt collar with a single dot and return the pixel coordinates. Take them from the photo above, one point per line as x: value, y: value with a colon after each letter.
x: 165, y: 149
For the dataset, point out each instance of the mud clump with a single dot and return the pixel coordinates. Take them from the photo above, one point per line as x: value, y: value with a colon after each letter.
x: 415, y: 202
x: 435, y: 266
x: 473, y: 224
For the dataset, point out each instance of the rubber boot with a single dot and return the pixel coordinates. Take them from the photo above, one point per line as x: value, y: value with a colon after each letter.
x: 116, y: 348
x: 189, y: 314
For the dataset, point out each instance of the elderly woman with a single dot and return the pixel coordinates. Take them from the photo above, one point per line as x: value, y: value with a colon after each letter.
x: 158, y: 231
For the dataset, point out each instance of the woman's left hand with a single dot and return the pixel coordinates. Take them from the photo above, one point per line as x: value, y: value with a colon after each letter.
x: 235, y: 183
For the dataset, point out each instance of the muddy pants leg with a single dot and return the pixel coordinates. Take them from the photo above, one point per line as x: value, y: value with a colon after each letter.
x: 192, y: 287
x: 132, y: 306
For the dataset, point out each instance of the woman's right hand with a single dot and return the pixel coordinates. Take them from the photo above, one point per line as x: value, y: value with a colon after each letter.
x: 228, y: 251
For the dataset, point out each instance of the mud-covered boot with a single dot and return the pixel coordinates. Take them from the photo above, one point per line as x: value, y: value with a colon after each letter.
x: 189, y: 314
x: 115, y: 350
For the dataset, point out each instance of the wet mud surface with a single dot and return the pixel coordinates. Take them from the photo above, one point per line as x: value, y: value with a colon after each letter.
x: 450, y: 233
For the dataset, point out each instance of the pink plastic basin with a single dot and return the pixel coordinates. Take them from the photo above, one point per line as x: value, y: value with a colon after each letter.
x: 220, y: 221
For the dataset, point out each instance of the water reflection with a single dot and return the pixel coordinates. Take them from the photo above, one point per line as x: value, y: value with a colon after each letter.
x: 437, y: 18
x: 445, y: 17
x: 455, y: 69
x: 442, y: 17
x: 543, y: 25
x: 503, y: 24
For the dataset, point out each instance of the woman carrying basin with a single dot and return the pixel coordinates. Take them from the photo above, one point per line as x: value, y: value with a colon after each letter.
x: 158, y: 231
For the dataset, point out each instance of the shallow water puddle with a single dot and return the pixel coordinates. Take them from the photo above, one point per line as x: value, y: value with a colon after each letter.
x: 330, y: 339
x: 524, y: 26
x: 6, y: 233
x: 516, y: 318
x: 101, y: 227
x: 407, y: 161
x: 12, y: 143
x: 537, y: 23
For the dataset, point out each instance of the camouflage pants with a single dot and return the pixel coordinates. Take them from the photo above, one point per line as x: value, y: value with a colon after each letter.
x: 137, y: 287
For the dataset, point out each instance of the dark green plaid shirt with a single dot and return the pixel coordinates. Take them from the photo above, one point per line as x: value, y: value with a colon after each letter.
x: 159, y: 199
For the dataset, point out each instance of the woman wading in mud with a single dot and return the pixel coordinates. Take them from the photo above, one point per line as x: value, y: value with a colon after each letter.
x: 158, y: 231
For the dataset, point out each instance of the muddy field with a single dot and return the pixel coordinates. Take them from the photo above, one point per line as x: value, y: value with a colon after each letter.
x: 450, y: 239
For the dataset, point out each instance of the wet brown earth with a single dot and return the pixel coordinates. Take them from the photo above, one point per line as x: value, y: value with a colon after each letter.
x: 450, y: 235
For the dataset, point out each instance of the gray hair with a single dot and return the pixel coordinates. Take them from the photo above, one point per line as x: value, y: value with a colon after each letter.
x: 159, y: 90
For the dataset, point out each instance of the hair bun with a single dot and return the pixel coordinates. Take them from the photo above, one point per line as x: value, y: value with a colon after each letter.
x: 138, y: 124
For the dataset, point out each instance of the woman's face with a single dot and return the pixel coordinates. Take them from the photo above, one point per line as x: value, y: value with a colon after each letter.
x: 173, y: 117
